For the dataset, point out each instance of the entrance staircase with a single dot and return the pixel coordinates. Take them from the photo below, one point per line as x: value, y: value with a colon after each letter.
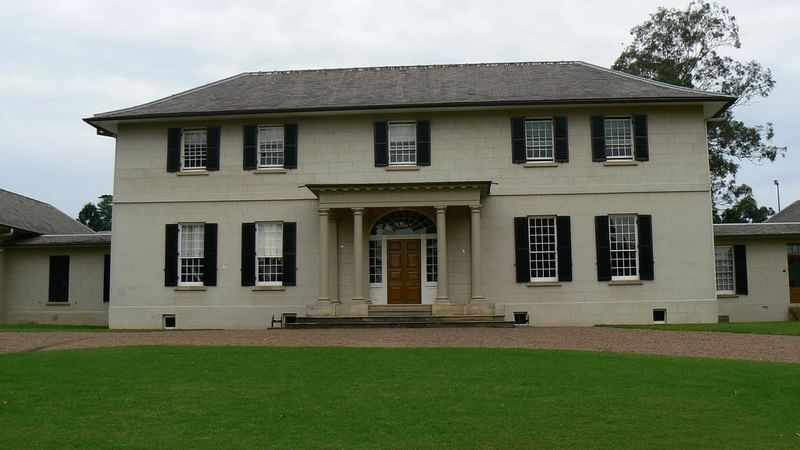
x: 400, y: 316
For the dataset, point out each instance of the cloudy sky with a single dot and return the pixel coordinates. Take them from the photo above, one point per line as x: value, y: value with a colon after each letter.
x: 66, y: 60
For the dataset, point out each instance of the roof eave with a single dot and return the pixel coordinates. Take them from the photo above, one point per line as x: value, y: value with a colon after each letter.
x: 713, y: 107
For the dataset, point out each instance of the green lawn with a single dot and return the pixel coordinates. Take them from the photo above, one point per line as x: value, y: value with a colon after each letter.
x: 42, y: 327
x: 787, y: 328
x: 238, y: 397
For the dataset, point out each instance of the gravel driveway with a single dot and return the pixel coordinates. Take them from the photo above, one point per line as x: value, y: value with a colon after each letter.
x: 675, y: 343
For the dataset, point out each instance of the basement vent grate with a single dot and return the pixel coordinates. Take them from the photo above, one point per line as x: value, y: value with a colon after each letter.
x: 168, y: 321
x: 659, y: 316
x: 723, y: 319
x: 521, y: 318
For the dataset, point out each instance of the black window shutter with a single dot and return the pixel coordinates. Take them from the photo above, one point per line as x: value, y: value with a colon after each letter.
x: 106, y: 278
x: 603, y: 248
x: 598, y: 138
x: 561, y: 141
x: 740, y: 267
x: 249, y: 153
x: 646, y: 265
x: 564, y: 246
x: 289, y: 253
x: 59, y: 279
x: 213, y: 143
x: 171, y: 255
x: 423, y: 142
x: 518, y: 155
x: 641, y: 147
x: 210, y: 255
x: 381, y: 144
x: 522, y: 251
x: 248, y: 254
x: 174, y: 149
x: 290, y: 146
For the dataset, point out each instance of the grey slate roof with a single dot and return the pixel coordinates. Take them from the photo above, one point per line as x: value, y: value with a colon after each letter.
x: 524, y: 83
x: 24, y: 213
x: 756, y: 229
x: 65, y: 240
x: 789, y: 214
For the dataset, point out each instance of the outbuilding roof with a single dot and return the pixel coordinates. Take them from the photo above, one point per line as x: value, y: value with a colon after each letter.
x: 789, y: 214
x: 756, y: 229
x: 370, y: 88
x: 26, y: 214
x: 65, y: 240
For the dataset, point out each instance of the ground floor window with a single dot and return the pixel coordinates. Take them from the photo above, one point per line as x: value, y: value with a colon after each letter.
x: 542, y: 245
x: 725, y: 269
x: 269, y: 254
x: 623, y: 247
x: 59, y: 279
x: 190, y: 251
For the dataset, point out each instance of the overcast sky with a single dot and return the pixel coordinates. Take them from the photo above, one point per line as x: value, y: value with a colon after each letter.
x: 66, y: 60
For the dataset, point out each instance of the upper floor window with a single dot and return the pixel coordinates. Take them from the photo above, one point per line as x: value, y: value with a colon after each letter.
x: 402, y: 143
x: 193, y: 149
x: 194, y: 154
x: 270, y: 146
x: 539, y: 139
x: 724, y: 264
x: 619, y: 138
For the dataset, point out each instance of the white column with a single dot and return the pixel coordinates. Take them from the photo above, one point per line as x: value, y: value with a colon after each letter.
x: 441, y: 254
x: 475, y: 253
x: 323, y: 255
x: 358, y: 254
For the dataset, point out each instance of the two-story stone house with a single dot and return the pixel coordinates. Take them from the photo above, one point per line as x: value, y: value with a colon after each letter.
x: 565, y: 191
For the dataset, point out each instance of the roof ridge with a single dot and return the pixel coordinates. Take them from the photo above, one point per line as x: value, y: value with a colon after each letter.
x: 650, y: 81
x: 413, y: 66
x: 172, y: 96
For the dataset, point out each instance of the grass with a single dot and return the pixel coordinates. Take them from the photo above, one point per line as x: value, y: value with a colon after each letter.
x: 48, y: 327
x: 238, y: 397
x: 791, y: 328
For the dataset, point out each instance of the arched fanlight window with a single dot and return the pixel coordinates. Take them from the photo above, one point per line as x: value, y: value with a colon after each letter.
x: 403, y: 222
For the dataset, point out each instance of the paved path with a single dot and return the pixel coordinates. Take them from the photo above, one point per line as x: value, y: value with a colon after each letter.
x: 676, y: 343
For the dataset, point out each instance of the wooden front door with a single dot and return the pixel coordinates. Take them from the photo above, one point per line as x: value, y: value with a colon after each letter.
x: 405, y: 276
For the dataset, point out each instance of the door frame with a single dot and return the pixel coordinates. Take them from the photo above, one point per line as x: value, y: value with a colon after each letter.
x: 377, y: 291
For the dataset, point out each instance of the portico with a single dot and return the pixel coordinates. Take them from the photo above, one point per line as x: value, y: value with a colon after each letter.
x: 384, y: 243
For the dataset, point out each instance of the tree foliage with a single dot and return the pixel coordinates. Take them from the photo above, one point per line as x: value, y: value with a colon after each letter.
x: 745, y: 209
x: 681, y: 47
x: 97, y: 217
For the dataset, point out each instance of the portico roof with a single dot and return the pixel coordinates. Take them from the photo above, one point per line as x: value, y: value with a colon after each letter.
x: 443, y: 193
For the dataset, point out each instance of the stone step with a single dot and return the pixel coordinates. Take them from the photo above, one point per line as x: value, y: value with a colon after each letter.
x: 344, y: 322
x: 400, y: 310
x: 398, y: 319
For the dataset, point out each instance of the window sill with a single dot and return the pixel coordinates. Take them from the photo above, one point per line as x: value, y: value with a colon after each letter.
x: 58, y: 303
x: 540, y: 164
x: 269, y: 288
x: 727, y: 296
x: 620, y: 162
x: 191, y: 288
x: 625, y: 282
x: 543, y: 283
x: 264, y: 170
x: 191, y: 173
x: 400, y: 168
